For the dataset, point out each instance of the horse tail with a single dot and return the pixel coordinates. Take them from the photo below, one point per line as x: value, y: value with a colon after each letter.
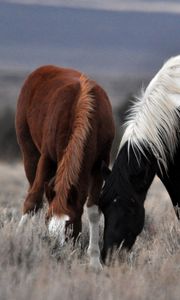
x: 70, y: 165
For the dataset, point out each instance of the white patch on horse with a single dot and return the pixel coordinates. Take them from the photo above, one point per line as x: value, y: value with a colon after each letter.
x: 56, y: 228
x: 93, y: 249
x: 154, y: 119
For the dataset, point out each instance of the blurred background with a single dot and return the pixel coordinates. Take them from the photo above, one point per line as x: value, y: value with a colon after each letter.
x: 121, y: 44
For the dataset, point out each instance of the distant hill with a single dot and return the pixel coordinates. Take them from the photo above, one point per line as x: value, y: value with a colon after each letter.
x: 98, y: 42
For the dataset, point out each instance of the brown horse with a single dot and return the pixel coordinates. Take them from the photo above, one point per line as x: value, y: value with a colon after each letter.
x: 65, y: 130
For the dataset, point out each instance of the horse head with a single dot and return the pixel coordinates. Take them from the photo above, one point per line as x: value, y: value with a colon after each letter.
x: 122, y: 198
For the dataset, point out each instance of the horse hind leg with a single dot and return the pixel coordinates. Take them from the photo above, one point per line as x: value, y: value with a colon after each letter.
x: 93, y: 249
x: 29, y: 152
x: 30, y: 155
x: 94, y: 218
x: 34, y: 198
x: 38, y: 168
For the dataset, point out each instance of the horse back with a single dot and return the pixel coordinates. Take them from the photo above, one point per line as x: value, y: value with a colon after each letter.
x: 48, y: 93
x: 46, y: 106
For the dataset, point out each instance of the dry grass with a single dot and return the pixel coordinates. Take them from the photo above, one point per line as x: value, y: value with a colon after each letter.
x: 33, y: 267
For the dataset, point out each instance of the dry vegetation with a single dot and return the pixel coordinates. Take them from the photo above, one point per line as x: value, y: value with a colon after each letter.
x: 33, y: 267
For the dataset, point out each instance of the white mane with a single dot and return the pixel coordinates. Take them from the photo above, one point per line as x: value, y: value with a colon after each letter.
x: 154, y: 118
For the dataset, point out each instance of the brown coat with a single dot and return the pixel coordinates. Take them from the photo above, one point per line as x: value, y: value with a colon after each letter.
x: 65, y: 129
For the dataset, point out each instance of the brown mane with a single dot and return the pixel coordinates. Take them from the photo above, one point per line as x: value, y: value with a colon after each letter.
x: 69, y: 167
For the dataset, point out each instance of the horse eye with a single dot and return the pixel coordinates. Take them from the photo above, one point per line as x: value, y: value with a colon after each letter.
x: 115, y: 200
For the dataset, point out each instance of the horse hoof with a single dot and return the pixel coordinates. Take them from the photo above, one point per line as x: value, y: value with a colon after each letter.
x: 95, y: 265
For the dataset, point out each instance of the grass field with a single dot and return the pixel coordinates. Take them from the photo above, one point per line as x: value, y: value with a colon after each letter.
x: 33, y: 267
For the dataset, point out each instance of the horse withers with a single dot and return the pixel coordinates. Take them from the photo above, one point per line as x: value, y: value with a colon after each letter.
x: 65, y: 129
x: 149, y: 146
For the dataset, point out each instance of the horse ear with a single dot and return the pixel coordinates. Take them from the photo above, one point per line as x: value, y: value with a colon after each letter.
x: 105, y: 171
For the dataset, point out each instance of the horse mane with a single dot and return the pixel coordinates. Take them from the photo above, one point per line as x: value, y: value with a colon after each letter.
x: 153, y: 121
x: 68, y: 170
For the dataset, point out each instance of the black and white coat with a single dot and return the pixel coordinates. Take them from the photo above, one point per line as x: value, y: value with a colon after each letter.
x: 149, y: 146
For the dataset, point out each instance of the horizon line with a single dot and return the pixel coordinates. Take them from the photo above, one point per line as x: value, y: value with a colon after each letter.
x: 137, y: 6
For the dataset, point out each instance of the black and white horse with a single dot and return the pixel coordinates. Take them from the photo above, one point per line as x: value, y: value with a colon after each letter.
x: 150, y: 145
